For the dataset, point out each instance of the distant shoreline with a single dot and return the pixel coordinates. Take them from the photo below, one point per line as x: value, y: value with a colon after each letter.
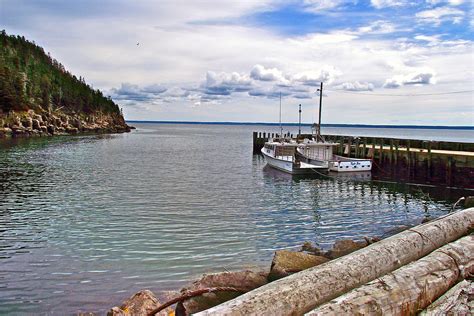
x: 308, y: 125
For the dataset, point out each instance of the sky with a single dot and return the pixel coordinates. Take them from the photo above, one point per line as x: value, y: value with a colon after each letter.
x: 397, y: 62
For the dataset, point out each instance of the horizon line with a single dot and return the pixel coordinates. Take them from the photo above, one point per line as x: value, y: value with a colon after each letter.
x: 309, y: 124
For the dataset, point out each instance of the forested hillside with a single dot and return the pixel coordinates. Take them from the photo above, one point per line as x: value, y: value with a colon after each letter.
x: 29, y: 78
x: 34, y: 82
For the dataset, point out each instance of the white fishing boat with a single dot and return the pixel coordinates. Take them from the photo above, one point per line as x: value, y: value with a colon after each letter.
x: 284, y: 156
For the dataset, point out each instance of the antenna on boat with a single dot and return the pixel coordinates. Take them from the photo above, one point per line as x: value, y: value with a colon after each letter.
x: 281, y: 127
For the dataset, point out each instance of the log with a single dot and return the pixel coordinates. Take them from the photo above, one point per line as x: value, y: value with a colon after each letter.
x: 411, y: 288
x: 457, y: 301
x: 303, y: 291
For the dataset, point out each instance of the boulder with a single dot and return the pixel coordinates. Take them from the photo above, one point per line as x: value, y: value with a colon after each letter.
x: 36, y: 124
x: 469, y: 202
x: 51, y: 129
x: 76, y: 123
x: 72, y: 130
x: 27, y: 122
x: 286, y: 262
x: 242, y: 280
x: 5, y: 132
x: 140, y: 303
x: 38, y: 117
x: 19, y: 130
x: 344, y: 247
x: 16, y: 122
x: 310, y: 248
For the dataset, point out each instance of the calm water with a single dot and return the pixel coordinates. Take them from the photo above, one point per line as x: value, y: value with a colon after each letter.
x: 86, y: 221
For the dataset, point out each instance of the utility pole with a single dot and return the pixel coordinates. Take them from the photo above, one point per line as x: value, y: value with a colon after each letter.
x: 299, y: 122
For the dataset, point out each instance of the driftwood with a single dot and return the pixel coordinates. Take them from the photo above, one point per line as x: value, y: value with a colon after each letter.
x: 191, y: 294
x: 457, y: 301
x: 409, y: 289
x: 303, y: 291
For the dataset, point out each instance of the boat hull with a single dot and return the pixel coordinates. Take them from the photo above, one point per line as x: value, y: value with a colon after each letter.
x: 284, y: 165
x: 351, y: 165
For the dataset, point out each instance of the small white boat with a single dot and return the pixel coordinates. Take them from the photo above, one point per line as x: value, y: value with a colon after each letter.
x: 284, y: 156
x: 316, y: 153
x: 321, y: 153
x: 346, y: 164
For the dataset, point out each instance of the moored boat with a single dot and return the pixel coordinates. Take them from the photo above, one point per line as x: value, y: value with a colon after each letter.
x: 346, y: 164
x: 284, y: 156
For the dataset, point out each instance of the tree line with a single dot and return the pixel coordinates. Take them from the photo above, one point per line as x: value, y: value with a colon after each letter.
x: 32, y: 79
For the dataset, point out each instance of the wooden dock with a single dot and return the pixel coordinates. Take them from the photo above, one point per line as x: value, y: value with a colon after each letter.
x: 448, y: 163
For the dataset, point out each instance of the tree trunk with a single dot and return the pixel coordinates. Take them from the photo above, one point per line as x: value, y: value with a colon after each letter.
x: 409, y: 289
x: 303, y: 291
x: 457, y: 301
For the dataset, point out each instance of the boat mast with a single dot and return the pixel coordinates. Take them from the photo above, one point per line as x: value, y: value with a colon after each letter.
x: 299, y: 122
x: 281, y: 127
x: 318, y: 130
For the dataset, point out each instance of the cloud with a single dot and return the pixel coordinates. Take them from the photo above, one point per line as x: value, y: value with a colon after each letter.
x: 380, y: 4
x: 261, y: 73
x: 129, y: 91
x: 270, y: 93
x: 377, y: 27
x: 451, y: 2
x: 418, y: 78
x: 224, y: 84
x: 311, y: 78
x: 316, y: 6
x: 356, y: 86
x: 154, y: 89
x: 440, y: 15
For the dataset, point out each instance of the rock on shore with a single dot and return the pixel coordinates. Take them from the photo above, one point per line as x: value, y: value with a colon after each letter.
x: 140, y: 303
x: 31, y: 123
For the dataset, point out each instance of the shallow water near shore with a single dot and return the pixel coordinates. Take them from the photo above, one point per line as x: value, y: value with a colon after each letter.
x: 87, y: 221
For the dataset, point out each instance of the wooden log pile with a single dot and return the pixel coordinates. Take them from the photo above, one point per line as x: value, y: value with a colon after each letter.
x: 400, y: 275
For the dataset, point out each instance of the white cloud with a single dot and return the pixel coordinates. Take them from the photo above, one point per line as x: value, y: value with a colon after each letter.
x: 356, y: 86
x: 311, y: 78
x: 424, y: 77
x: 451, y: 2
x: 440, y: 15
x: 259, y: 72
x: 316, y: 6
x: 377, y: 27
x: 225, y: 84
x: 379, y: 4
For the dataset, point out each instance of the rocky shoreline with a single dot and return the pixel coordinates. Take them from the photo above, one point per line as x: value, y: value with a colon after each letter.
x: 216, y: 288
x: 30, y: 123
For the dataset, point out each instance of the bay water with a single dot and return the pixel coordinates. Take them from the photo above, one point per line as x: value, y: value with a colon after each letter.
x: 86, y: 221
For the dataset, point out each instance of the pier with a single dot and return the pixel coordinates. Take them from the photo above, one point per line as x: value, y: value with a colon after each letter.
x: 441, y: 162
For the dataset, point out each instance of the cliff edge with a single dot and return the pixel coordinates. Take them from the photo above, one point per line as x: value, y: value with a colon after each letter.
x: 38, y: 96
